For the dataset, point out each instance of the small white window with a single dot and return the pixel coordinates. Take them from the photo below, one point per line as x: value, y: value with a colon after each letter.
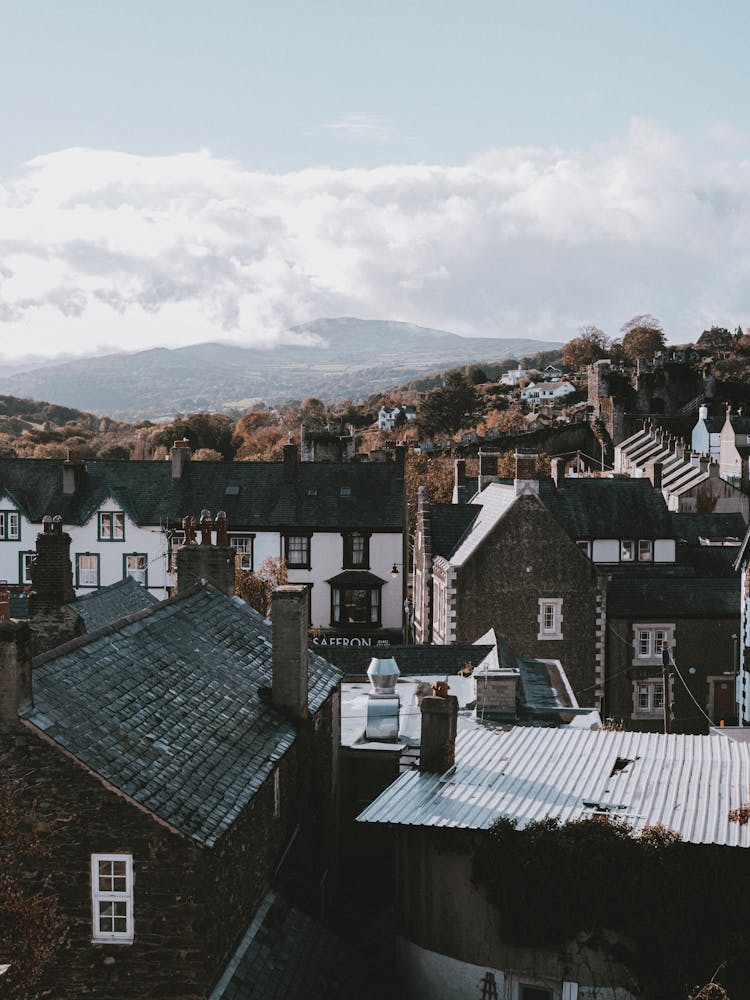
x: 550, y: 618
x: 87, y: 569
x: 243, y: 551
x: 111, y: 526
x: 645, y: 550
x: 135, y: 566
x: 650, y: 643
x: 112, y: 897
x: 627, y: 550
x: 648, y: 698
x: 10, y: 526
x: 585, y: 547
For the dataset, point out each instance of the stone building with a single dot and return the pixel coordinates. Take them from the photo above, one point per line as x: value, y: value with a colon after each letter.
x: 595, y: 572
x: 170, y: 765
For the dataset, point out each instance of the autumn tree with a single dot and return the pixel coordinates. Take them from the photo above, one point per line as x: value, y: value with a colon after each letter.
x: 436, y: 474
x: 643, y: 336
x: 453, y: 405
x: 589, y: 346
x: 202, y: 430
x: 256, y: 587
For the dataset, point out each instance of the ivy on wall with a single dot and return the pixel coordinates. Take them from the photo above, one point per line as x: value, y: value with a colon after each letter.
x: 670, y: 912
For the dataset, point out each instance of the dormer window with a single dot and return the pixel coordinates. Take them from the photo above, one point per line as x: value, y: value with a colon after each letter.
x: 645, y: 550
x: 111, y: 526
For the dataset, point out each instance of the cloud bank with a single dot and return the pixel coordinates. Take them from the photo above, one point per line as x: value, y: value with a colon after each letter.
x: 110, y: 250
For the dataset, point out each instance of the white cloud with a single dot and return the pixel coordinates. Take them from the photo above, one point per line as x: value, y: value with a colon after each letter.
x: 362, y: 125
x: 105, y: 249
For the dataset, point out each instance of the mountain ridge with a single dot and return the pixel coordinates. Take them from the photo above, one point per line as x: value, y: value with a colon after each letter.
x: 347, y: 358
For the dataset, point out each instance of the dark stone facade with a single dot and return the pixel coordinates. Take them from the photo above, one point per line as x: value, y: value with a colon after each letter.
x: 526, y: 558
x: 703, y: 645
x: 191, y: 904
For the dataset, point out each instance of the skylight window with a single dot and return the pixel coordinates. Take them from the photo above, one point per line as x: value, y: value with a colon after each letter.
x: 345, y: 491
x: 231, y: 491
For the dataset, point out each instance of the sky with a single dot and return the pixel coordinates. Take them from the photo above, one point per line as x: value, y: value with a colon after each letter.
x: 180, y: 172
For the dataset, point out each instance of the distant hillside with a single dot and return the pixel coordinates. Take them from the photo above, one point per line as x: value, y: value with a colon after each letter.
x: 346, y: 358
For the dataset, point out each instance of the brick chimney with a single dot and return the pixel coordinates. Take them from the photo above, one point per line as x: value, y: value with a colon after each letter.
x: 289, y: 618
x: 459, y: 473
x: 400, y: 458
x: 51, y: 619
x: 437, y: 752
x: 291, y: 457
x: 74, y: 470
x: 180, y: 453
x: 527, y: 478
x: 4, y: 601
x: 15, y: 671
x: 204, y: 561
x: 495, y: 692
x: 487, y: 469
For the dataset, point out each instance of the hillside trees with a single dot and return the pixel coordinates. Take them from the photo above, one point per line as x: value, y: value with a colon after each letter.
x: 453, y: 405
x: 589, y: 346
x: 643, y: 336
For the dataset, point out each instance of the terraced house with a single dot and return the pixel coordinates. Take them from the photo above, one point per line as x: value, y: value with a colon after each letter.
x: 338, y: 525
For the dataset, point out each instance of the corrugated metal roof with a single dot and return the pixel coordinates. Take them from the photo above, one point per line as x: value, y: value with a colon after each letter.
x: 686, y: 783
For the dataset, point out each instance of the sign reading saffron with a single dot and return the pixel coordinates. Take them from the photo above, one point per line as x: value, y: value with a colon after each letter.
x: 348, y: 640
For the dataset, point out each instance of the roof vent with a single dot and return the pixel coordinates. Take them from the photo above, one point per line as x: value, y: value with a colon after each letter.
x: 383, y: 702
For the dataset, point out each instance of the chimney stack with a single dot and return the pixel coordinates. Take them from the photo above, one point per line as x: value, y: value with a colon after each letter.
x: 214, y: 563
x: 400, y: 458
x: 73, y: 472
x: 654, y: 471
x: 290, y: 462
x: 460, y: 472
x: 437, y: 752
x: 15, y: 671
x: 487, y: 469
x: 180, y: 457
x: 289, y: 619
x: 52, y: 619
x: 703, y: 412
x: 527, y: 478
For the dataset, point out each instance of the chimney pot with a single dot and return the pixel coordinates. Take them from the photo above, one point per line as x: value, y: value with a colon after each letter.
x: 206, y: 522
x: 222, y: 528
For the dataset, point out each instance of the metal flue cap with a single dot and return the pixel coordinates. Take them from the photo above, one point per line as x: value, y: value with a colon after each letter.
x: 383, y: 674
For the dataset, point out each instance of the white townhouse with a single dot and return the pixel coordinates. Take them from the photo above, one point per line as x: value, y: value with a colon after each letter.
x: 542, y: 392
x: 338, y: 525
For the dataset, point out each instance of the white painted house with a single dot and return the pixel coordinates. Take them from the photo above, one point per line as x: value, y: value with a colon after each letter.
x: 338, y: 525
x: 387, y: 417
x: 544, y: 392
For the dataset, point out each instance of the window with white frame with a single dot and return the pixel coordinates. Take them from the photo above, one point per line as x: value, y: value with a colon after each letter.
x: 10, y: 526
x: 650, y: 641
x: 135, y: 565
x: 440, y: 610
x: 24, y: 566
x: 112, y: 897
x: 627, y: 550
x: 585, y: 547
x: 550, y: 618
x: 243, y: 551
x: 111, y: 526
x: 87, y: 569
x: 648, y: 697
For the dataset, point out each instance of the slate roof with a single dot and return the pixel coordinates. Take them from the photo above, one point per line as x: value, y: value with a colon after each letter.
x: 448, y: 522
x: 656, y: 598
x: 692, y: 527
x: 286, y: 955
x: 372, y: 494
x: 110, y: 604
x: 411, y: 660
x: 167, y: 707
x: 608, y: 508
x: 686, y: 783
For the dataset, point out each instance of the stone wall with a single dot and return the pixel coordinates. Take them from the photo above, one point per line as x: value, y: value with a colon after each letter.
x: 526, y: 558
